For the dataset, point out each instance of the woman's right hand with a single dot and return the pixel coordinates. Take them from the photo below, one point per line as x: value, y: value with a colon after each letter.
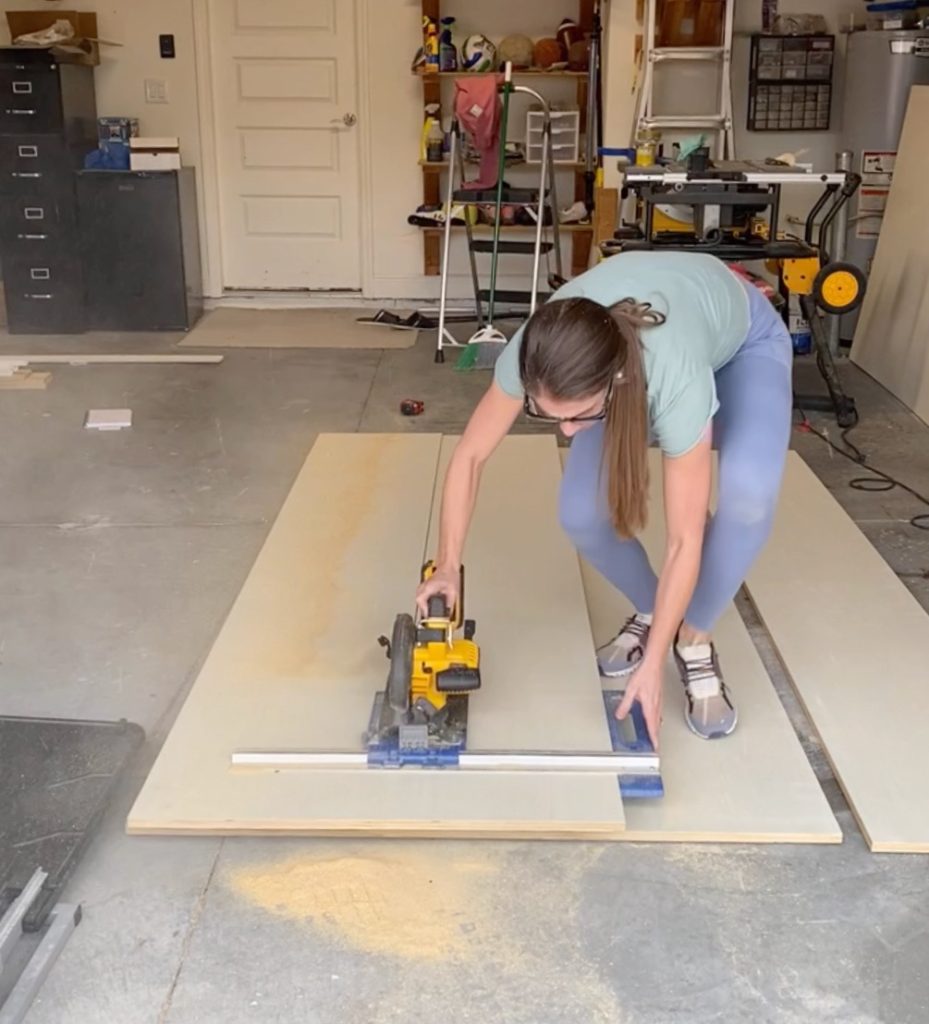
x: 444, y: 581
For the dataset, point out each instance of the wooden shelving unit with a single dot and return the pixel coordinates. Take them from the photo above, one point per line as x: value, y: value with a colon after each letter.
x: 438, y: 166
x: 525, y: 73
x: 581, y: 234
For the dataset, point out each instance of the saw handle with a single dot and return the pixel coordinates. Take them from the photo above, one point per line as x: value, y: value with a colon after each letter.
x: 436, y: 607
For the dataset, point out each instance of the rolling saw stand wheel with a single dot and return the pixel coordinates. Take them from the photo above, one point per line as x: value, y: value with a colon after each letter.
x: 837, y: 288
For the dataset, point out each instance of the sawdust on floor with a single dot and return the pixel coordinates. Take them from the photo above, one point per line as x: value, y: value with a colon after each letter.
x: 501, y: 937
x: 404, y: 906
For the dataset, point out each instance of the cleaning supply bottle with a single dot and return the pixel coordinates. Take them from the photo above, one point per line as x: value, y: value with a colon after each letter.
x: 448, y: 53
x: 430, y: 45
x: 435, y: 142
x: 432, y: 130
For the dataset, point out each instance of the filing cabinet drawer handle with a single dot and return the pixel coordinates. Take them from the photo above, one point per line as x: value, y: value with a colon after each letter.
x: 34, y: 296
x: 20, y: 113
x: 22, y: 88
x: 27, y: 152
x: 26, y: 174
x: 40, y: 274
x: 31, y: 238
x: 34, y: 213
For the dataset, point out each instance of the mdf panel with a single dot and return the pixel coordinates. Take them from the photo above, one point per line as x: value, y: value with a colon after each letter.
x: 892, y: 334
x: 297, y: 663
x: 854, y: 641
x: 753, y: 786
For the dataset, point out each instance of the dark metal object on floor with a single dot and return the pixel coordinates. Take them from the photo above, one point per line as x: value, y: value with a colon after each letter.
x: 412, y: 407
x: 57, y: 777
x: 25, y: 964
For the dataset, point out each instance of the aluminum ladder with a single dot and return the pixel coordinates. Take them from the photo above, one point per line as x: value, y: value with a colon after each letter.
x: 719, y: 120
x: 540, y: 200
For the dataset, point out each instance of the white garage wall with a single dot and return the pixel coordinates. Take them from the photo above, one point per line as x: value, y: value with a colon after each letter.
x: 393, y: 108
x: 123, y: 70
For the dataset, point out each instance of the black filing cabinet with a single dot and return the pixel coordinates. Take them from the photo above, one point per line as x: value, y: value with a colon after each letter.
x: 140, y: 249
x: 47, y: 125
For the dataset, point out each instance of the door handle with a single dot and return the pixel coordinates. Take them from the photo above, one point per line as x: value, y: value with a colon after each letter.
x: 348, y: 120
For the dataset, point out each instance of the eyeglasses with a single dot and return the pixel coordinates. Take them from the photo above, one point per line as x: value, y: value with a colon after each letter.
x: 594, y: 417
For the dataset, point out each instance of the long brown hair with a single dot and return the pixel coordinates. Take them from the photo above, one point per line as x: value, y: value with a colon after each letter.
x: 572, y: 349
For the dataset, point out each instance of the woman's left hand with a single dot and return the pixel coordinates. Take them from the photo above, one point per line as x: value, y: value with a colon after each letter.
x: 645, y: 687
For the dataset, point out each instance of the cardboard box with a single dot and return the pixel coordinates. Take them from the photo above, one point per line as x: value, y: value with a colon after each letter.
x: 155, y: 154
x: 166, y: 161
x: 83, y: 49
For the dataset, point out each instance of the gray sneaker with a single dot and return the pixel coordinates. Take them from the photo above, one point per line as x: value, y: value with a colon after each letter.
x: 710, y: 712
x: 620, y: 655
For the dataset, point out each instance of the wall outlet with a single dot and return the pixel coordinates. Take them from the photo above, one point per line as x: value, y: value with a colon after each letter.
x: 156, y: 90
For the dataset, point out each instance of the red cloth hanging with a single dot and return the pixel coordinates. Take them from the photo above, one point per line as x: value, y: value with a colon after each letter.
x: 477, y: 107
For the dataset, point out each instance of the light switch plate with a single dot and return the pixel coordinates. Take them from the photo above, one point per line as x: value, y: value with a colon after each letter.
x: 156, y: 90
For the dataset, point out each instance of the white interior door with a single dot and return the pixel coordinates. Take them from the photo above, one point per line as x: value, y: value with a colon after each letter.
x: 284, y: 97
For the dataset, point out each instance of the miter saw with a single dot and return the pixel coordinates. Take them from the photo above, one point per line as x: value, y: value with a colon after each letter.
x: 421, y: 716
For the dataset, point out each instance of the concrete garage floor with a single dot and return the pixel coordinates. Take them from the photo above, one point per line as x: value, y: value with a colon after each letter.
x: 120, y: 554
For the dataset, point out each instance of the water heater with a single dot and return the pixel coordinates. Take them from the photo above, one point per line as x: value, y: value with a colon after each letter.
x: 880, y: 68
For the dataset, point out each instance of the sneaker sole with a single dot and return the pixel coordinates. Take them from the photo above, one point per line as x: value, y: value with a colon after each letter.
x: 618, y: 674
x: 714, y: 735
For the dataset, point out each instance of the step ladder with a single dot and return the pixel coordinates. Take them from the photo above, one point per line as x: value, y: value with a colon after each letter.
x: 538, y: 201
x: 718, y: 121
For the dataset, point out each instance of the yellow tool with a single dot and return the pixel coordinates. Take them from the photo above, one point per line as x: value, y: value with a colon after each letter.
x: 432, y: 670
x: 441, y: 664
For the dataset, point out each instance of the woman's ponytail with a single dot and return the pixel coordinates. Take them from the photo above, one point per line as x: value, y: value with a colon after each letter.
x: 573, y: 348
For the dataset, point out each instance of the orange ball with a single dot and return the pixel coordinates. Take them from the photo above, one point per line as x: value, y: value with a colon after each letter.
x: 547, y: 52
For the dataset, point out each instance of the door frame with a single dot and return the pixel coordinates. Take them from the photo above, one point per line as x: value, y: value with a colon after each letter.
x: 208, y: 171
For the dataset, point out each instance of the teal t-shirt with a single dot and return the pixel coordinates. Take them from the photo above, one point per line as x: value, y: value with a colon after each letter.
x: 706, y: 306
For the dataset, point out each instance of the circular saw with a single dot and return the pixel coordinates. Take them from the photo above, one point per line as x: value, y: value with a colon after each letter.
x: 421, y: 714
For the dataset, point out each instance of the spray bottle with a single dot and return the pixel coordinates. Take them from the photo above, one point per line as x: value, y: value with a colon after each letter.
x: 432, y: 139
x: 448, y: 54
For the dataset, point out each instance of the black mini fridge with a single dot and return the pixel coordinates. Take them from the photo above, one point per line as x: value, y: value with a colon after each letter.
x: 140, y: 250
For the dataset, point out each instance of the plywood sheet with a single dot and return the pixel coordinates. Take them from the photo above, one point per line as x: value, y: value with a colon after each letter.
x: 754, y: 786
x: 296, y: 664
x: 855, y: 642
x: 892, y: 335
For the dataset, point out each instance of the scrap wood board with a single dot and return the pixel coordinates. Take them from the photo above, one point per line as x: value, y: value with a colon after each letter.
x: 296, y: 663
x: 855, y: 643
x: 757, y: 784
x: 892, y: 334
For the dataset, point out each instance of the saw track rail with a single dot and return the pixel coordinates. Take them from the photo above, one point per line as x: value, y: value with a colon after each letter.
x: 503, y: 761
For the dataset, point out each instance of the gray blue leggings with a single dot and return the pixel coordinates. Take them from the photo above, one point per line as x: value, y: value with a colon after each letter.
x: 751, y: 430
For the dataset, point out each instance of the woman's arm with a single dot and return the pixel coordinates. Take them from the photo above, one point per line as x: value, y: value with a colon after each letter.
x: 687, y: 482
x: 489, y: 424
